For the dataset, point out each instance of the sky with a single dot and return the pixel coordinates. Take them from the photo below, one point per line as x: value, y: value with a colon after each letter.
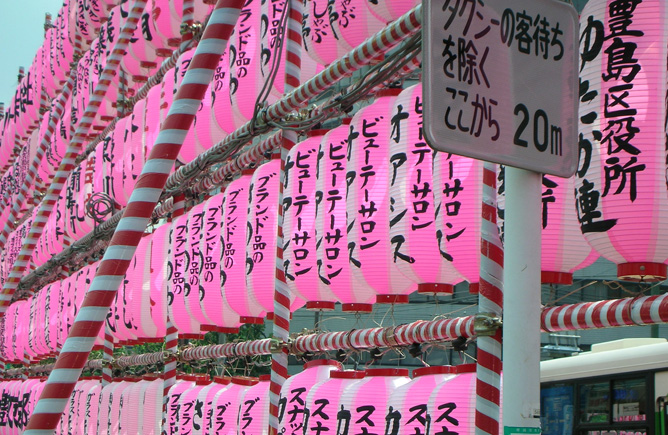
x: 21, y: 34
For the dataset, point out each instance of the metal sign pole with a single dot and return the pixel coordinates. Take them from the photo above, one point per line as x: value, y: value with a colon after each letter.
x: 521, y: 302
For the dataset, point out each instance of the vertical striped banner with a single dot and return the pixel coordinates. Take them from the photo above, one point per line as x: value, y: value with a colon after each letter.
x: 57, y: 111
x: 131, y: 227
x: 488, y: 382
x: 281, y: 330
x: 53, y: 192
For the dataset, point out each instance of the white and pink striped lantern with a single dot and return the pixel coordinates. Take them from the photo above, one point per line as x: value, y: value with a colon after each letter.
x: 244, y: 51
x: 222, y: 121
x: 160, y: 245
x: 271, y: 12
x: 323, y: 401
x: 292, y: 406
x: 194, y: 291
x: 214, y: 305
x: 390, y: 10
x: 364, y: 405
x: 91, y: 404
x: 225, y: 406
x: 300, y: 198
x: 564, y: 248
x: 152, y: 119
x: 620, y: 183
x: 118, y: 398
x: 322, y: 41
x: 254, y: 408
x: 104, y: 408
x: 132, y: 411
x: 190, y: 406
x: 116, y: 148
x: 411, y: 399
x: 261, y: 240
x: 138, y: 294
x: 151, y: 423
x: 368, y: 204
x: 174, y: 414
x: 107, y: 156
x: 167, y: 17
x: 54, y: 316
x: 452, y: 403
x: 233, y: 260
x: 134, y: 150
x: 178, y: 264
x: 331, y: 226
x: 412, y: 190
x: 142, y: 57
x: 78, y: 26
x: 199, y: 137
x: 206, y: 396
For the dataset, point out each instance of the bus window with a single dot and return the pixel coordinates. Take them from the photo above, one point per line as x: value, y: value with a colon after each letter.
x: 595, y: 402
x: 557, y: 409
x: 629, y: 400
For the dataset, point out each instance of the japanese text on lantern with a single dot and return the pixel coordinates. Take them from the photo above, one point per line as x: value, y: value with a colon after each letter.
x: 615, y: 131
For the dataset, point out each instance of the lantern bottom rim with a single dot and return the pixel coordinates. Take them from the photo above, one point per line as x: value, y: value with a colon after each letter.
x: 435, y: 288
x: 645, y: 272
x: 320, y: 305
x: 392, y: 299
x: 356, y: 308
x: 559, y: 278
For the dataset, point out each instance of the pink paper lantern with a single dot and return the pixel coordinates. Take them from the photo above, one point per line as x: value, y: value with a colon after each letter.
x: 205, y: 396
x: 132, y: 411
x: 413, y: 227
x: 292, y: 406
x: 191, y: 148
x: 194, y: 292
x: 261, y: 240
x: 159, y: 277
x: 107, y: 156
x: 390, y: 10
x: 411, y: 399
x: 331, y: 227
x: 233, y: 260
x: 564, y: 248
x: 620, y: 181
x: 364, y: 405
x: 299, y: 222
x: 190, y: 406
x: 134, y: 151
x: 214, y: 304
x: 322, y: 40
x: 452, y: 404
x: 152, y: 413
x: 178, y: 264
x: 254, y: 409
x: 225, y: 405
x: 152, y: 120
x: 174, y: 413
x: 142, y: 58
x: 117, y: 397
x: 167, y: 17
x: 222, y: 121
x: 245, y: 58
x: 368, y: 204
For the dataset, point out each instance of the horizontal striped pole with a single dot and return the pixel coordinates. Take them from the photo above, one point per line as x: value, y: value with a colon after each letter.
x: 128, y: 233
x: 638, y: 311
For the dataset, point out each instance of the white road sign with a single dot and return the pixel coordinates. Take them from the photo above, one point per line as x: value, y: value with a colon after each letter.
x: 500, y: 81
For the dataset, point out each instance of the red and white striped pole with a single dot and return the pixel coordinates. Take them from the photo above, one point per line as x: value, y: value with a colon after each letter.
x: 130, y: 229
x: 107, y: 356
x: 490, y: 302
x: 56, y: 186
x: 57, y: 111
x: 644, y: 310
x: 281, y: 330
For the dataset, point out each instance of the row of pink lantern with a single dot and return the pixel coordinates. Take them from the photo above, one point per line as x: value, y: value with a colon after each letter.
x: 36, y: 328
x: 19, y: 398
